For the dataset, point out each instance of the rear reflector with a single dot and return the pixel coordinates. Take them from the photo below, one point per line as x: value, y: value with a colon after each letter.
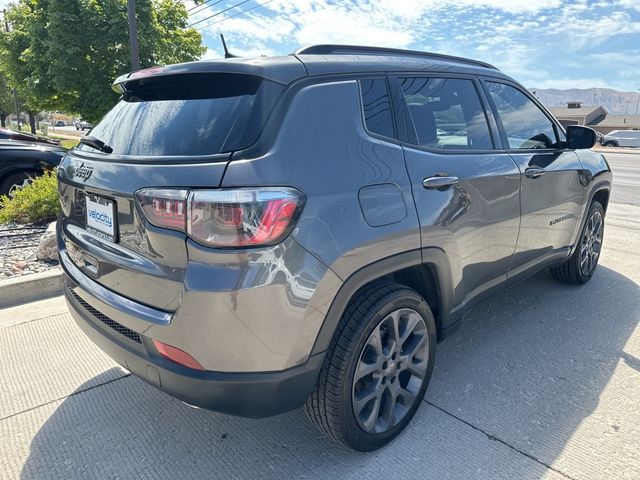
x: 176, y: 355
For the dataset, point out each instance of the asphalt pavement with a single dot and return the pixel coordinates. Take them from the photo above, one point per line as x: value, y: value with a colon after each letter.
x: 626, y: 169
x: 543, y: 381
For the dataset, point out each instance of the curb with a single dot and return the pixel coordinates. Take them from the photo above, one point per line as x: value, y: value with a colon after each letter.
x: 36, y: 286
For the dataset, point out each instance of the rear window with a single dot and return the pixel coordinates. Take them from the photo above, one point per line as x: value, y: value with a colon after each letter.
x: 187, y: 115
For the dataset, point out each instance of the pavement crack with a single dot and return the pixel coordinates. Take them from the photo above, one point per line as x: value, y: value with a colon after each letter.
x: 72, y: 394
x: 499, y: 440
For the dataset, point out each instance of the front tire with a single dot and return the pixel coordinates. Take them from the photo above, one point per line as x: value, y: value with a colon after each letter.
x: 377, y: 368
x: 610, y: 143
x: 582, y: 264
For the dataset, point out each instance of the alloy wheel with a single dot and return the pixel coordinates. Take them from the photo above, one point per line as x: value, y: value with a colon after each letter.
x: 390, y: 371
x: 18, y: 186
x: 591, y: 243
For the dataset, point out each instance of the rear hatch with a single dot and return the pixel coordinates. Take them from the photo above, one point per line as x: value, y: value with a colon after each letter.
x: 167, y: 132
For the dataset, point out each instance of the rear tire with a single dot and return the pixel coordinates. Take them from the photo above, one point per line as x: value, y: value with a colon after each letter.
x: 582, y: 264
x: 377, y: 368
x: 13, y: 181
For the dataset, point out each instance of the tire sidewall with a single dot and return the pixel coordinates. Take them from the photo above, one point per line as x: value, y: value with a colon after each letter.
x: 595, y: 206
x: 353, y: 433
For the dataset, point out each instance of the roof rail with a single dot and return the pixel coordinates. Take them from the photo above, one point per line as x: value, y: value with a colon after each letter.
x: 329, y: 49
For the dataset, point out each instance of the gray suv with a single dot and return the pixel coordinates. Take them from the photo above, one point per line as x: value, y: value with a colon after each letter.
x: 256, y: 235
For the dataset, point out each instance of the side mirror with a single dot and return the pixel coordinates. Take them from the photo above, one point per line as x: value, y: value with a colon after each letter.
x: 579, y: 137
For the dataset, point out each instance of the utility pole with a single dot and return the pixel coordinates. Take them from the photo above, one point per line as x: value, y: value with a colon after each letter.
x: 594, y: 99
x: 638, y: 104
x: 15, y: 94
x: 133, y: 35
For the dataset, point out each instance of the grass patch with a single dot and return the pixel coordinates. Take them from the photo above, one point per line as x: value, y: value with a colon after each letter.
x: 67, y: 143
x: 35, y: 203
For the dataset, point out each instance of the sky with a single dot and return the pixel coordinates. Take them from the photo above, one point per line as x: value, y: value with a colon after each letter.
x: 541, y: 43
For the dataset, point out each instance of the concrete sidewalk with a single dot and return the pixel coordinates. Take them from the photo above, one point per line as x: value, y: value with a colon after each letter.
x: 541, y: 382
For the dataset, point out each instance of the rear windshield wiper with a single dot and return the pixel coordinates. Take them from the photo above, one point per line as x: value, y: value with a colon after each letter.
x: 93, y: 142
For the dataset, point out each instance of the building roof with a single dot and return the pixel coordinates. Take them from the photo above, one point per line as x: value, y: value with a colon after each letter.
x: 583, y: 111
x: 620, y: 121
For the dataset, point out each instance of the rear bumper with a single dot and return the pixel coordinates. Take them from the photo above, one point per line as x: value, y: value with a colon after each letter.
x: 253, y: 395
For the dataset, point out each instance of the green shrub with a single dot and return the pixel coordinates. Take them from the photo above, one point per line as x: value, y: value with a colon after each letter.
x: 35, y: 203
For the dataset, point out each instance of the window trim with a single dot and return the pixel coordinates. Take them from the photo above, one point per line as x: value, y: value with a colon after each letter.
x: 378, y: 136
x: 408, y: 120
x: 557, y: 128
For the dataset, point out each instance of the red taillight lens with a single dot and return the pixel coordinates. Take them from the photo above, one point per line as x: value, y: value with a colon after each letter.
x: 164, y: 207
x: 176, y: 355
x: 242, y: 217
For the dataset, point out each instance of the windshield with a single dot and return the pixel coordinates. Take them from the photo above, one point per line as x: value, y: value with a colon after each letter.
x: 187, y: 115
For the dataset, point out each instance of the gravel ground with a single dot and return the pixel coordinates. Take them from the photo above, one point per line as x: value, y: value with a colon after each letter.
x: 18, y: 244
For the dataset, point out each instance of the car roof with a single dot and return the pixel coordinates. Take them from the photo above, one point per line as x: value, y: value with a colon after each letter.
x: 324, y: 60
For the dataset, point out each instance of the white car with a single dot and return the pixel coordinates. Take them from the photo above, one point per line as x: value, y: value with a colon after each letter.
x: 622, y: 138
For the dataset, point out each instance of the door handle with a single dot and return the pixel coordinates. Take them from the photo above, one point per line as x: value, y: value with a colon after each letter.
x: 434, y: 183
x: 534, y: 172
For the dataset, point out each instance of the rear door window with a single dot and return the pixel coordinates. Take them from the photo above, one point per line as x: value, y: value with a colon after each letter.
x: 446, y: 113
x: 187, y: 115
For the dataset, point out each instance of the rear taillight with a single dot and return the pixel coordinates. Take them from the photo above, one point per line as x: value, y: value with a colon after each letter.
x: 164, y: 207
x: 242, y: 217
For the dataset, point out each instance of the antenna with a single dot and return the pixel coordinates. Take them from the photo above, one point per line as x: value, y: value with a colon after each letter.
x: 226, y: 50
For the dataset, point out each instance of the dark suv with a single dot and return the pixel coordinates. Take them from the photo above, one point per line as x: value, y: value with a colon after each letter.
x: 255, y: 235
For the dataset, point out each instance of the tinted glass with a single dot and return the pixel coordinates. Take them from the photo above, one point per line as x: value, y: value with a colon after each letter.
x: 524, y: 123
x: 446, y: 113
x: 377, y: 107
x: 187, y: 115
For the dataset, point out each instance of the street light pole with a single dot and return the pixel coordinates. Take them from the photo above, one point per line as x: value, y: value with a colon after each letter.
x: 133, y: 35
x: 15, y: 94
x: 638, y: 103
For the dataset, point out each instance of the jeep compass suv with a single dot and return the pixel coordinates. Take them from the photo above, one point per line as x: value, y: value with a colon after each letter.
x: 255, y: 235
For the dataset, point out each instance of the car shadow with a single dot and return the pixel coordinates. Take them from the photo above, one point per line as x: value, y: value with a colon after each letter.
x: 525, y: 369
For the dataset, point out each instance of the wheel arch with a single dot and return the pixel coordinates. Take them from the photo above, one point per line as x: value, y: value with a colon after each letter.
x: 427, y: 271
x: 602, y: 196
x: 31, y: 170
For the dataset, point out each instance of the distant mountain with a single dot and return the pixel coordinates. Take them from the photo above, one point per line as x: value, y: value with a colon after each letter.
x: 613, y: 101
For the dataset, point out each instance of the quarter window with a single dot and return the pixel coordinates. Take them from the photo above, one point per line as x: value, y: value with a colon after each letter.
x: 377, y: 107
x: 446, y: 113
x: 525, y: 125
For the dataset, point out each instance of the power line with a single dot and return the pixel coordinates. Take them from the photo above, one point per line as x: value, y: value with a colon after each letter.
x: 219, y: 13
x: 202, y: 5
x: 235, y: 14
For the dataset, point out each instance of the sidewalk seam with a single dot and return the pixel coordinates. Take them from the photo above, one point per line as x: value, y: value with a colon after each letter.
x: 63, y: 312
x: 499, y: 440
x: 72, y: 394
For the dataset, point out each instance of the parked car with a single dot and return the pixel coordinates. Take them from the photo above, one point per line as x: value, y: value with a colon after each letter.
x: 60, y: 123
x: 622, y: 138
x: 6, y: 134
x: 303, y: 230
x: 82, y: 125
x: 22, y: 161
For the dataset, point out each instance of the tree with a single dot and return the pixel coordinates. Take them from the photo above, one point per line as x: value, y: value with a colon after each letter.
x: 24, y: 59
x: 6, y: 101
x: 65, y: 54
